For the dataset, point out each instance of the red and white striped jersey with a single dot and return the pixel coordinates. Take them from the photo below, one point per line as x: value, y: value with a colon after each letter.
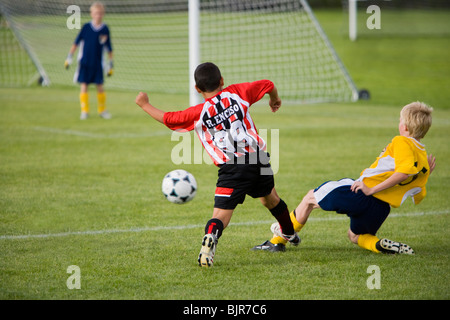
x: 223, y: 122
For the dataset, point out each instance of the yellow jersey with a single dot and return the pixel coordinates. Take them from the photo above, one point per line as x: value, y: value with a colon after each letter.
x: 405, y: 155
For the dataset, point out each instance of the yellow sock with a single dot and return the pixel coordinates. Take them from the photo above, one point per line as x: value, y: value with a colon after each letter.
x: 277, y: 240
x: 84, y: 102
x: 101, y: 97
x: 368, y: 241
x: 297, y: 225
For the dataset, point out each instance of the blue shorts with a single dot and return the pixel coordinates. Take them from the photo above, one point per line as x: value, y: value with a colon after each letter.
x: 366, y: 213
x: 86, y: 74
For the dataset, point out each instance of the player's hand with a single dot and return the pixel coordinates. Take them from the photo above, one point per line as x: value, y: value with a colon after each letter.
x: 275, y: 104
x: 110, y: 69
x: 431, y: 162
x: 68, y: 61
x: 359, y: 185
x: 142, y: 99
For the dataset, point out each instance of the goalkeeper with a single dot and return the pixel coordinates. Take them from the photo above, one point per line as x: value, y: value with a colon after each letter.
x: 401, y: 171
x: 93, y: 38
x: 227, y: 132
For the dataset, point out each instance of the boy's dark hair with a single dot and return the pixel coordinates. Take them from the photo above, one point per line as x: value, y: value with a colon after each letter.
x: 207, y: 77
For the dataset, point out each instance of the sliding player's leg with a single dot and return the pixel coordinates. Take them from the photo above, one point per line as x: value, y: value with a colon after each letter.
x: 329, y: 195
x: 298, y: 217
x: 280, y: 211
x: 364, y: 226
x: 373, y: 243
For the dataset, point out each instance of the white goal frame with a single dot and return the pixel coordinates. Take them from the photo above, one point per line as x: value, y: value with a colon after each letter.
x: 159, y: 43
x: 195, y: 49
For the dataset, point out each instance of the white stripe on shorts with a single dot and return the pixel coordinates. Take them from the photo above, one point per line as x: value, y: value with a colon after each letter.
x: 327, y: 187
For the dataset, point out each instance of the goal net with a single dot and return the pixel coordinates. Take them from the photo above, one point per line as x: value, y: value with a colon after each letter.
x: 16, y: 69
x: 280, y: 40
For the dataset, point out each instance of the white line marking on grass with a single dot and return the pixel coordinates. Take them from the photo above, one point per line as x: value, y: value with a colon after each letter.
x: 101, y: 135
x: 194, y: 226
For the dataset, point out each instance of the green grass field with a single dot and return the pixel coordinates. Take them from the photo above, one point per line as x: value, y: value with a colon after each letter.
x: 87, y: 193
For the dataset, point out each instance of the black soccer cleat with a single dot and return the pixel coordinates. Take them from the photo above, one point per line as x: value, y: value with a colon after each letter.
x: 393, y: 247
x: 269, y: 246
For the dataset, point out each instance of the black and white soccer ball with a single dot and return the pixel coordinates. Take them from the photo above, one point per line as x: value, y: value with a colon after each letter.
x: 179, y: 186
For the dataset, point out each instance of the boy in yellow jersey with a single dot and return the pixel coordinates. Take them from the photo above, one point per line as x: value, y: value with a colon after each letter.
x: 401, y: 171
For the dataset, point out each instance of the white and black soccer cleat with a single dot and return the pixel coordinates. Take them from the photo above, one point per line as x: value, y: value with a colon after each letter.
x: 393, y: 247
x: 269, y: 246
x: 208, y: 250
x: 293, y: 239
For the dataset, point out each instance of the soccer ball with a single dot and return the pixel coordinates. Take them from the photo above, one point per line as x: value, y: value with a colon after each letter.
x: 179, y: 186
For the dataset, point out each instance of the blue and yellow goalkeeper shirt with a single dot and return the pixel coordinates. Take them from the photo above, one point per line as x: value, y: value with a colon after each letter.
x: 405, y: 155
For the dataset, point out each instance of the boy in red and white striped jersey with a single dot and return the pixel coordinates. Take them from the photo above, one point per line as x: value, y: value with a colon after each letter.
x: 228, y: 133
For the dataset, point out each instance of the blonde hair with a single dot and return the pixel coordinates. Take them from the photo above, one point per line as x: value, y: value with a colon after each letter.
x: 97, y: 5
x: 417, y: 118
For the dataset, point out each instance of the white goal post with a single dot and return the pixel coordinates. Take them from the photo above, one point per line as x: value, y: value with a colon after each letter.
x: 158, y: 44
x: 194, y: 48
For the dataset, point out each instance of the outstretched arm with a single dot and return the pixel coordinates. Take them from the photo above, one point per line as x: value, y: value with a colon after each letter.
x: 143, y: 102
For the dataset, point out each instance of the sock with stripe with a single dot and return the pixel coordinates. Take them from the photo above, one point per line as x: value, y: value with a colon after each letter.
x: 214, y: 226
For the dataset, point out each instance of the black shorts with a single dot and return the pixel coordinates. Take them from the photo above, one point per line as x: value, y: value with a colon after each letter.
x: 237, y: 180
